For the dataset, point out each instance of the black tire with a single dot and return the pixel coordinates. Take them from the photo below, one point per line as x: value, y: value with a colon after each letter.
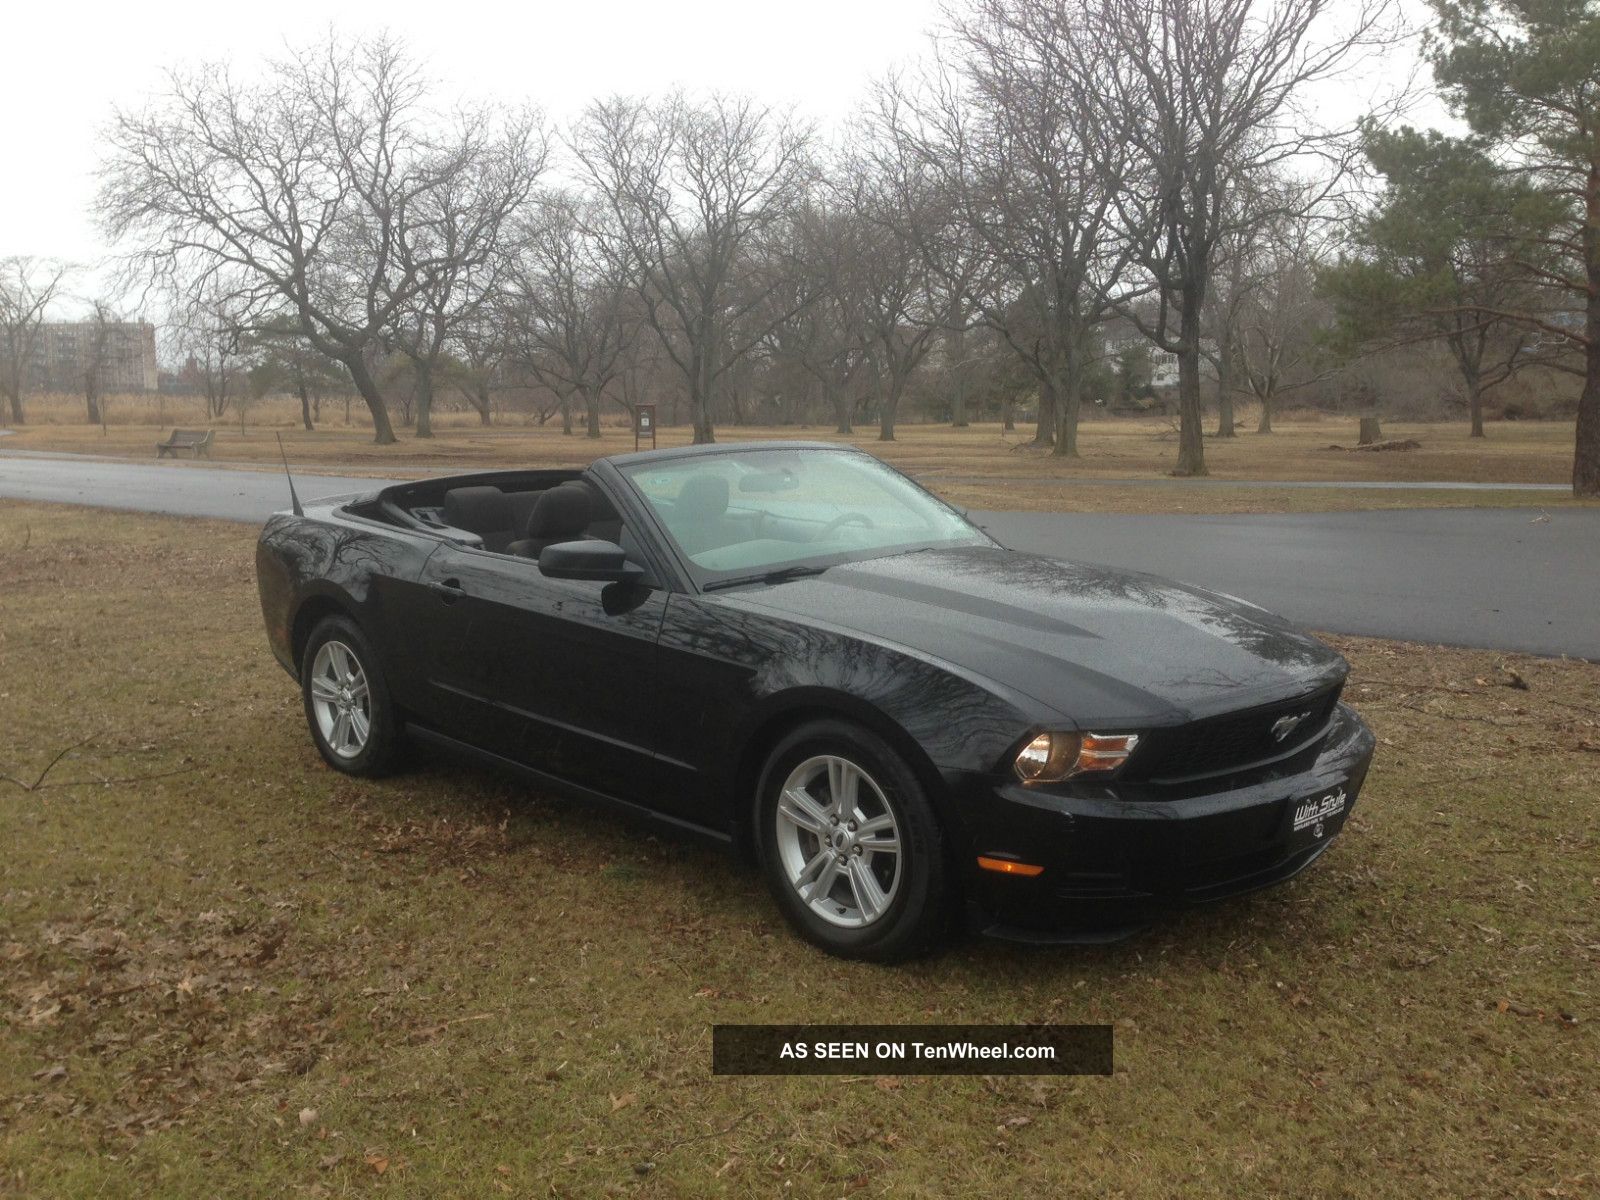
x: 916, y: 913
x: 378, y: 752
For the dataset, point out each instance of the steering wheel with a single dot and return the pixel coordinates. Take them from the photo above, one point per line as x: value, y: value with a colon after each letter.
x: 843, y: 519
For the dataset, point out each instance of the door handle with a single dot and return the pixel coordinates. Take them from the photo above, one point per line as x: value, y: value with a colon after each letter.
x: 448, y: 590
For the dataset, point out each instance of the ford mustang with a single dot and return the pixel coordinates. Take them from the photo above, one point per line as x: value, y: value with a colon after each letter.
x: 796, y: 650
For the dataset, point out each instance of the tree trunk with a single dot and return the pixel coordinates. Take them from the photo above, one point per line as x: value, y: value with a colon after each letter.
x: 305, y: 406
x: 1068, y: 398
x: 958, y: 381
x: 704, y: 433
x: 1008, y: 423
x: 701, y: 388
x: 367, y: 388
x: 481, y: 402
x: 1191, y: 436
x: 1586, y: 450
x: 841, y: 407
x: 1371, y: 431
x: 92, y: 401
x: 1045, y: 434
x: 15, y: 396
x: 889, y: 406
x: 1265, y: 424
x: 566, y: 415
x: 1586, y: 453
x: 423, y: 373
x: 1225, y: 427
x: 591, y: 412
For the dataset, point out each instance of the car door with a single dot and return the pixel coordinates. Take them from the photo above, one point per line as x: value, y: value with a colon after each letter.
x: 559, y: 675
x: 452, y: 600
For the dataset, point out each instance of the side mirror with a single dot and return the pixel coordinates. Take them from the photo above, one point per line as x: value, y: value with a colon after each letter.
x: 602, y: 562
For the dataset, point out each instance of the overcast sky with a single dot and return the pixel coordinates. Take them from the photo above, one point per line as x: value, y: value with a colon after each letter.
x: 66, y: 65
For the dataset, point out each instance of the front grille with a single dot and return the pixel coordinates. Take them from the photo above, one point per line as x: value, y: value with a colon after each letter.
x: 1232, y: 741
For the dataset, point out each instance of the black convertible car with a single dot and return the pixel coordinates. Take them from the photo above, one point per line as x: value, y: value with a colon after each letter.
x: 794, y: 649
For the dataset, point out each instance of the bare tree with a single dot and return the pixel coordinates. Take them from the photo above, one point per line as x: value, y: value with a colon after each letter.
x: 299, y: 189
x: 693, y: 189
x: 96, y: 361
x: 28, y: 287
x: 456, y: 244
x: 900, y: 318
x: 210, y: 334
x: 481, y: 345
x: 1224, y: 312
x: 565, y: 310
x: 1281, y: 316
x: 1208, y: 94
x: 281, y: 359
x: 1236, y: 274
x: 817, y: 325
x: 1004, y: 129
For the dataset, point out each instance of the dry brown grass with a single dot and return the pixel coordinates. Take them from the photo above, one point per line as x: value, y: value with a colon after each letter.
x: 226, y: 970
x: 982, y: 455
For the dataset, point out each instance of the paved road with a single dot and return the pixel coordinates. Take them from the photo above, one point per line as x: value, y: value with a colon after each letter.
x: 1502, y: 578
x: 1511, y: 579
x: 1359, y: 485
x: 177, y: 488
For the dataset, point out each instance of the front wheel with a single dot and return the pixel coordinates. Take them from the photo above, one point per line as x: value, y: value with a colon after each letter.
x: 347, y: 699
x: 850, y: 845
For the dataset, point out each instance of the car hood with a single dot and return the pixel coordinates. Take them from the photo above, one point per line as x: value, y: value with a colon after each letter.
x: 1093, y: 643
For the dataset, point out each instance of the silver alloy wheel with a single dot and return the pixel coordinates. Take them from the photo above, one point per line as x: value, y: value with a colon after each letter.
x: 341, y: 701
x: 838, y: 841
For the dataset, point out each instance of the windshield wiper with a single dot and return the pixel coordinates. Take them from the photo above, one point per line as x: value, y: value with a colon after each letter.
x: 781, y: 575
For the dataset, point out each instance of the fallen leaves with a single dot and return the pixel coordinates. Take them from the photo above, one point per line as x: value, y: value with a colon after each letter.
x: 164, y: 982
x: 625, y: 1100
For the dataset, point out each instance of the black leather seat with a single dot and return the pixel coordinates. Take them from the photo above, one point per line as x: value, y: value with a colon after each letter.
x: 560, y: 515
x: 522, y: 508
x: 485, y: 511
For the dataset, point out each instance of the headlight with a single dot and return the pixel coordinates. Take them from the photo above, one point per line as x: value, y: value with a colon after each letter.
x: 1052, y: 757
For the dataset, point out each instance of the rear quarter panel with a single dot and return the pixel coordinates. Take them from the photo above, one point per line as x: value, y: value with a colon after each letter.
x: 325, y: 561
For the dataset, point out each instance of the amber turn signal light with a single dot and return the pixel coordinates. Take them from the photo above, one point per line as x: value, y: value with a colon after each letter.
x: 1106, y: 752
x: 1008, y: 866
x: 1053, y: 757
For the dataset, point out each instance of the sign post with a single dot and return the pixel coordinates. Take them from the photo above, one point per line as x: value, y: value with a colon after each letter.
x: 644, y: 424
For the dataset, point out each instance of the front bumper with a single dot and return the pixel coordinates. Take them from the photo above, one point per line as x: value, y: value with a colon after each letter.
x: 1113, y: 857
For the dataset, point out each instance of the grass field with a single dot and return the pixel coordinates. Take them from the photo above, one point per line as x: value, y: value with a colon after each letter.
x: 225, y: 970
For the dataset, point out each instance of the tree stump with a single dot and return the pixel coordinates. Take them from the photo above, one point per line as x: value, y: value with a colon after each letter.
x: 1370, y: 432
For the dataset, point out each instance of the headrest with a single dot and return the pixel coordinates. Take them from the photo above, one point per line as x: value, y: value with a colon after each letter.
x: 703, y: 498
x: 477, y: 509
x: 563, y: 511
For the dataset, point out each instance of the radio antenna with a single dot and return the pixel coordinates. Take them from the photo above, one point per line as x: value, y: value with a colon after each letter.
x: 294, y: 500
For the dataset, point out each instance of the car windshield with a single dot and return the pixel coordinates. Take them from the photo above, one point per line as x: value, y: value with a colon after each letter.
x: 756, y: 511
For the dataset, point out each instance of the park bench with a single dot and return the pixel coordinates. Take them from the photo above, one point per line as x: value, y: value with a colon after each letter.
x: 198, y: 441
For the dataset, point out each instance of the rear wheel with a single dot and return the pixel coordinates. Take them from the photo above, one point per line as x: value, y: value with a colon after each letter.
x: 347, y: 699
x: 850, y: 845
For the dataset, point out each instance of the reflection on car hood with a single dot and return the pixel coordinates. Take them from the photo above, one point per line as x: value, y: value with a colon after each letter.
x: 1096, y: 644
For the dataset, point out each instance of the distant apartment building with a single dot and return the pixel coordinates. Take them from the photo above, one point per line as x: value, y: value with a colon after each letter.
x: 65, y: 350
